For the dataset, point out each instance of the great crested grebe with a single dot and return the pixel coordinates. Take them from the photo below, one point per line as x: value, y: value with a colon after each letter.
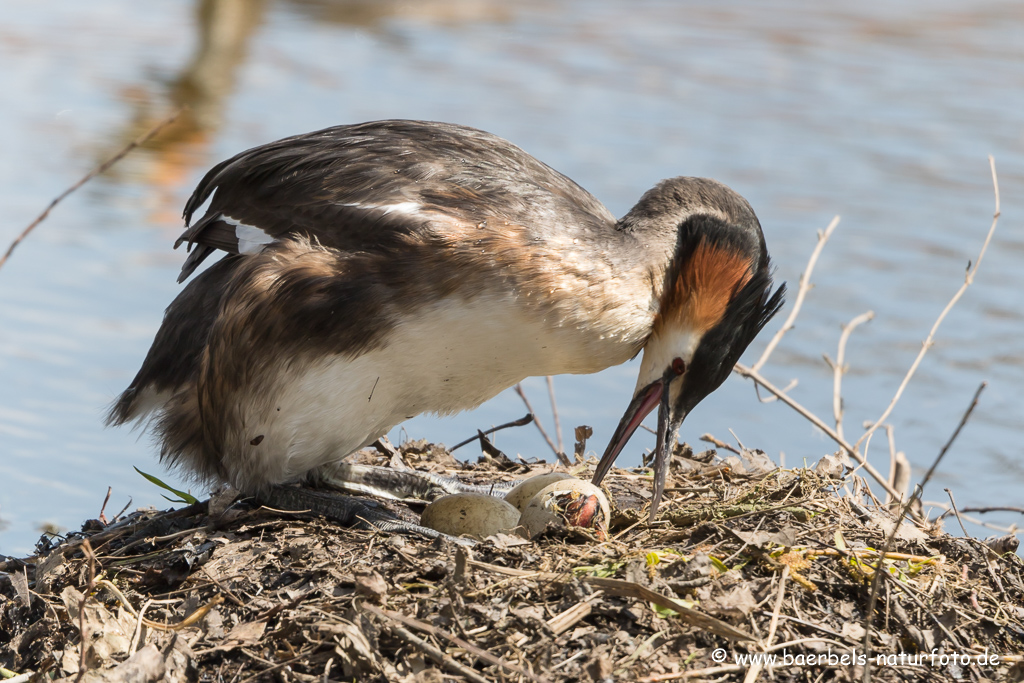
x: 381, y: 270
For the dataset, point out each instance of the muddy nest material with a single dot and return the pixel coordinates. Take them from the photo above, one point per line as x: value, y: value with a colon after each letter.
x: 740, y: 564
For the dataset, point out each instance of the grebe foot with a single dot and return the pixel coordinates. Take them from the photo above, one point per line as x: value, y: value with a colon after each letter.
x: 403, y: 485
x: 350, y: 511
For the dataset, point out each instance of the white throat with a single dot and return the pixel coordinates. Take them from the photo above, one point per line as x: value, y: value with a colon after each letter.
x: 661, y: 350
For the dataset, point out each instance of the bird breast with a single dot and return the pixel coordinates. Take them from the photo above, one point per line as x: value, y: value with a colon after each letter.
x: 446, y: 357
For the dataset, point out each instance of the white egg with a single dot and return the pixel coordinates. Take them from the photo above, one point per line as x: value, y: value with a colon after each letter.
x: 525, y: 490
x: 472, y: 514
x: 569, y: 502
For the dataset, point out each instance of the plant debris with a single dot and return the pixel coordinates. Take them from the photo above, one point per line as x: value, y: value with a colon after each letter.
x: 745, y: 562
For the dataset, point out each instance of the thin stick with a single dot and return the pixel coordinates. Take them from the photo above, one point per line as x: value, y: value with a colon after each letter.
x: 272, y: 667
x: 904, y: 510
x: 956, y: 432
x: 817, y: 422
x: 973, y: 520
x: 778, y: 606
x: 710, y: 438
x: 103, y: 509
x: 525, y: 420
x: 839, y: 368
x: 86, y: 178
x: 694, y: 673
x: 554, y: 412
x: 891, y: 437
x: 424, y: 627
x: 993, y: 509
x: 83, y: 638
x: 560, y: 455
x: 952, y: 502
x: 137, y: 635
x: 436, y: 654
x: 768, y: 399
x: 805, y: 286
x: 738, y: 442
x: 968, y: 279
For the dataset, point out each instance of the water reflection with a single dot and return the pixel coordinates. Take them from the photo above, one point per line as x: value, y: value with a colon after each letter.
x: 224, y: 30
x: 372, y: 13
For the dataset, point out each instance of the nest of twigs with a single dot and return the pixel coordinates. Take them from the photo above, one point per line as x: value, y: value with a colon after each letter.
x: 745, y: 564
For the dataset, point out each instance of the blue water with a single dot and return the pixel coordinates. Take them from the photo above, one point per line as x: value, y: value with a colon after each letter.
x: 881, y: 112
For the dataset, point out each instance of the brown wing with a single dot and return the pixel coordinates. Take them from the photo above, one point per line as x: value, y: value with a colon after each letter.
x: 364, y: 186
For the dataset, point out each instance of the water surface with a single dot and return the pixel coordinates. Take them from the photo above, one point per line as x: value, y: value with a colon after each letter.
x: 881, y: 112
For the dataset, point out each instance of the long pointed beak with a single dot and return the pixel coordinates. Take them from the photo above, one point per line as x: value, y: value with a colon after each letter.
x: 641, y: 405
x: 654, y: 394
x: 661, y: 452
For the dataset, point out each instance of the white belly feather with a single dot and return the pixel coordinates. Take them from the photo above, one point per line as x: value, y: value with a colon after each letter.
x: 450, y: 357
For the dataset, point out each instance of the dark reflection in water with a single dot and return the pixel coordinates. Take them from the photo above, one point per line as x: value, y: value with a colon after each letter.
x: 225, y: 29
x: 883, y: 112
x: 370, y: 13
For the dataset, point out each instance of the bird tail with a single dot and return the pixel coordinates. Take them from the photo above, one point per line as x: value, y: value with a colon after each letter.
x: 172, y: 362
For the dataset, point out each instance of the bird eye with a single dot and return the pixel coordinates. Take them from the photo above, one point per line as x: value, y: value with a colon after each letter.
x: 678, y: 366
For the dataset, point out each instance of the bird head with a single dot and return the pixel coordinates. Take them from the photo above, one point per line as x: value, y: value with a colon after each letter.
x: 716, y: 297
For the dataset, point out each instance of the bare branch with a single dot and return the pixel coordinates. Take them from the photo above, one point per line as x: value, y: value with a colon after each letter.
x: 1013, y: 530
x: 805, y: 286
x: 525, y: 420
x: 907, y: 508
x: 952, y: 504
x: 968, y: 279
x: 749, y: 373
x: 839, y: 368
x: 554, y: 412
x: 86, y: 178
x: 717, y: 443
x: 956, y: 432
x: 562, y: 458
x: 899, y: 468
x: 788, y: 388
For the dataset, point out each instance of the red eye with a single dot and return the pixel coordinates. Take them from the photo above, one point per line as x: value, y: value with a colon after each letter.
x: 678, y: 366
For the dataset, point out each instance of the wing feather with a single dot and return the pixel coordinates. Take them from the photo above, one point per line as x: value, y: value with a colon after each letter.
x: 366, y: 186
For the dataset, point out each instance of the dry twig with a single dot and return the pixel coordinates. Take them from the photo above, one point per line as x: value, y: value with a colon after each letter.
x: 718, y: 443
x: 562, y: 458
x: 83, y: 638
x: 882, y: 480
x: 143, y: 139
x: 839, y: 367
x: 890, y: 537
x: 525, y: 420
x: 929, y: 340
x: 554, y: 413
x: 952, y: 504
x: 836, y: 434
x: 455, y: 640
x: 805, y: 286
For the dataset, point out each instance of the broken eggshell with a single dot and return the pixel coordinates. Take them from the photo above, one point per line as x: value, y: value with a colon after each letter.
x: 569, y: 502
x: 471, y: 514
x: 523, y: 492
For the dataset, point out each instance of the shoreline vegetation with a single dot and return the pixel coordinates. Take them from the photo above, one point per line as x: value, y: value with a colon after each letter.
x: 751, y: 572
